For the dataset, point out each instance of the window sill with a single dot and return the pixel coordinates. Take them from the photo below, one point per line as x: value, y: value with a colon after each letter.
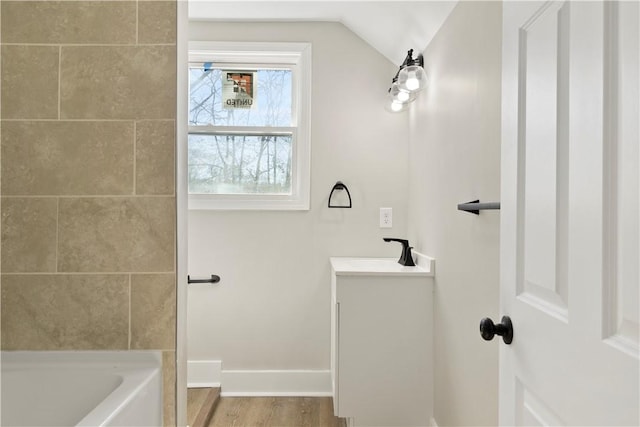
x: 257, y: 203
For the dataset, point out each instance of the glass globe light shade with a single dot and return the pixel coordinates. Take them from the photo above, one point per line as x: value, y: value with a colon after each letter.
x: 412, y: 78
x: 403, y: 96
x: 395, y: 106
x: 400, y: 95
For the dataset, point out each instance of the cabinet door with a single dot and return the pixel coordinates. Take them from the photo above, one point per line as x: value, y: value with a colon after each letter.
x: 384, y: 350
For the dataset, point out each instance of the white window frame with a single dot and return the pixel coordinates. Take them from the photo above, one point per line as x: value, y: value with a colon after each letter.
x: 298, y: 57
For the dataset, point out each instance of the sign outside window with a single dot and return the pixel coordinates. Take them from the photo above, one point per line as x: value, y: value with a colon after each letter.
x: 238, y: 89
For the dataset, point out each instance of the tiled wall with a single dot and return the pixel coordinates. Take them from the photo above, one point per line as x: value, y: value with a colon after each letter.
x: 87, y: 168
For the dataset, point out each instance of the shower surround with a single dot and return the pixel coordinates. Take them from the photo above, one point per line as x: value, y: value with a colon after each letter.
x: 88, y: 109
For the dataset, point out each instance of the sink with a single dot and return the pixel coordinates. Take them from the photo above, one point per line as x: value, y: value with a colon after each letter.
x: 346, y: 266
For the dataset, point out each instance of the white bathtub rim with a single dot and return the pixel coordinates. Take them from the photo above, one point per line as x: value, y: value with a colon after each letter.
x: 136, y: 370
x: 134, y: 380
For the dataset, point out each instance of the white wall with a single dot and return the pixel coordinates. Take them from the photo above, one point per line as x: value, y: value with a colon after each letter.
x: 454, y: 158
x: 271, y: 309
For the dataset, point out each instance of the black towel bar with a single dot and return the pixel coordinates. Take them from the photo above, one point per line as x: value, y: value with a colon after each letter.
x: 475, y: 206
x: 214, y: 279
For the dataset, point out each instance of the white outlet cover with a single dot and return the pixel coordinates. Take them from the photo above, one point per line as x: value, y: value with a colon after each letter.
x: 386, y: 217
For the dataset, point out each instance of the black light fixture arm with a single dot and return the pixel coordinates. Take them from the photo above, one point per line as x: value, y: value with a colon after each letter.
x: 408, y: 61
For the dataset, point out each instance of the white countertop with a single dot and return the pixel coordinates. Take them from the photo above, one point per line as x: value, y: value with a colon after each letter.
x: 357, y: 266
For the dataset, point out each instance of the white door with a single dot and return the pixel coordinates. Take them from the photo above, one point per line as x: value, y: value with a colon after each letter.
x: 569, y: 232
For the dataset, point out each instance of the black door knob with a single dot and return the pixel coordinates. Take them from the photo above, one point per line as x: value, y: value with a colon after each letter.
x: 505, y: 329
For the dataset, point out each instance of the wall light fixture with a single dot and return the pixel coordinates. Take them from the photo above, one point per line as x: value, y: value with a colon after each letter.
x: 408, y: 81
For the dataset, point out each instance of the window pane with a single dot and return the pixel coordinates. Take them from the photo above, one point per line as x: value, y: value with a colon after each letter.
x: 239, y: 164
x: 271, y: 106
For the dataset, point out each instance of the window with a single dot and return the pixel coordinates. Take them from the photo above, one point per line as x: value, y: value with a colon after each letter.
x: 249, y: 139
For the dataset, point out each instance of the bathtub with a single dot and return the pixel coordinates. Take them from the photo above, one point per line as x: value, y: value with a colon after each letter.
x: 81, y: 388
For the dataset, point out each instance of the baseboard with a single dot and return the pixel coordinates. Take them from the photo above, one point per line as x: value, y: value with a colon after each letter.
x: 204, y: 373
x: 433, y: 422
x: 276, y: 383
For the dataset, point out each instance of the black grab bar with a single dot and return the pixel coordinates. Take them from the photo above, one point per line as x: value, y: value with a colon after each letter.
x: 214, y: 279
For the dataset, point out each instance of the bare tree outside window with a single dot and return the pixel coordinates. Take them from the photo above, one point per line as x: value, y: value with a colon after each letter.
x: 230, y: 162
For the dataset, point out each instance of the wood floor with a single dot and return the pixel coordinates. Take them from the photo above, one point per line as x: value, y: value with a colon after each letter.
x: 275, y: 412
x: 258, y: 411
x: 201, y: 404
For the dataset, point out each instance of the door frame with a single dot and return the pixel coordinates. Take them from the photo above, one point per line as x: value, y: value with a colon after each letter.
x: 182, y: 110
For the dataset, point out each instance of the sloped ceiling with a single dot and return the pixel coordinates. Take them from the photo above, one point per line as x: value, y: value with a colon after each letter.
x: 391, y: 27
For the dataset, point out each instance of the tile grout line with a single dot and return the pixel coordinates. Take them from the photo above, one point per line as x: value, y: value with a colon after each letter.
x: 137, y: 19
x: 92, y: 44
x: 135, y: 156
x: 129, y: 323
x: 57, y: 232
x: 87, y: 273
x: 59, y: 77
x: 0, y: 178
x: 88, y: 120
x: 89, y: 196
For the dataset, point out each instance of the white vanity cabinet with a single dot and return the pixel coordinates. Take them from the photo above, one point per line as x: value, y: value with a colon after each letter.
x: 382, y: 341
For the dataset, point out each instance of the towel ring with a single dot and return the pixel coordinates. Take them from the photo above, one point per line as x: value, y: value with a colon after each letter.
x: 339, y: 186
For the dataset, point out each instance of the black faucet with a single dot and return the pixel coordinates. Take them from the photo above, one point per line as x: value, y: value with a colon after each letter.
x: 405, y: 258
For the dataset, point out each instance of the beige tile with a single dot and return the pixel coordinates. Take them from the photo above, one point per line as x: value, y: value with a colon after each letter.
x: 118, y: 82
x: 155, y: 157
x: 53, y: 22
x: 116, y: 234
x: 29, y: 82
x: 169, y: 388
x: 29, y: 235
x: 157, y: 22
x: 67, y: 158
x: 153, y: 312
x: 60, y: 312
